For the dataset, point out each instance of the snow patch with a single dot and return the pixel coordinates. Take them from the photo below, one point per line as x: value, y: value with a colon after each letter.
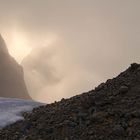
x: 11, y: 109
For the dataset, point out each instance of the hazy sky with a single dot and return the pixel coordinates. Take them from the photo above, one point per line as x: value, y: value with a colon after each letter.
x: 69, y: 46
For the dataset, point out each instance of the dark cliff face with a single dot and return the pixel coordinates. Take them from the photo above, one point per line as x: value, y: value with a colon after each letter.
x: 11, y: 75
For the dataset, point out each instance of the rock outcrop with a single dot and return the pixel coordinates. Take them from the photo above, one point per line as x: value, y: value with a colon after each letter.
x: 11, y: 75
x: 109, y: 112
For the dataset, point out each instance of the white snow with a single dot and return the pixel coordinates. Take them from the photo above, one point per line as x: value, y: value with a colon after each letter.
x: 11, y: 109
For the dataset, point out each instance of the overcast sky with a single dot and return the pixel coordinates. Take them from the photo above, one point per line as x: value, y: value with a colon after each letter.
x: 69, y: 46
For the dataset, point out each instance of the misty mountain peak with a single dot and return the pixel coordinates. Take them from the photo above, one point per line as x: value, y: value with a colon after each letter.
x: 3, y: 47
x: 12, y: 82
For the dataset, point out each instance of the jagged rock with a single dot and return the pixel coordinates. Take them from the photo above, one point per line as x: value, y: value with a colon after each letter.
x: 123, y: 89
x: 11, y: 75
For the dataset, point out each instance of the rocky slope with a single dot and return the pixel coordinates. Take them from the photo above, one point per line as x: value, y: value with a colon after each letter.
x: 11, y: 75
x: 110, y: 112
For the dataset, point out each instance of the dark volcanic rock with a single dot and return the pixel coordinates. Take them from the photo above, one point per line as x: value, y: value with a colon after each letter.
x: 11, y: 75
x: 110, y: 112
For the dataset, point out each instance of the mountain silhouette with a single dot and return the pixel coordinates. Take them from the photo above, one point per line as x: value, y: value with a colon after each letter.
x: 11, y: 75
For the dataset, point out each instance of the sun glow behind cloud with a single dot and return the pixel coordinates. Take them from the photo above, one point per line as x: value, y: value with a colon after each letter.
x: 19, y: 46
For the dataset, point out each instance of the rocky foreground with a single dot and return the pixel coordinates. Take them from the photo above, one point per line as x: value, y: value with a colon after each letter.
x: 110, y: 112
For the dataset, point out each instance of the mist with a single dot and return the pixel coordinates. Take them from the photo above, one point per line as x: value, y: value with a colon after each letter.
x: 69, y: 47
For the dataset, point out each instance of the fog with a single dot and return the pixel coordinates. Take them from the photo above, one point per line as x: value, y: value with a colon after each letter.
x: 69, y: 46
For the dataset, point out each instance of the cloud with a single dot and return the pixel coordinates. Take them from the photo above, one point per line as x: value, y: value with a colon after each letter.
x: 97, y: 39
x: 52, y: 73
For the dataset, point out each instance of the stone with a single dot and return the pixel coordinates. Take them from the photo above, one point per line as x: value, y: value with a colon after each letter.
x: 123, y: 89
